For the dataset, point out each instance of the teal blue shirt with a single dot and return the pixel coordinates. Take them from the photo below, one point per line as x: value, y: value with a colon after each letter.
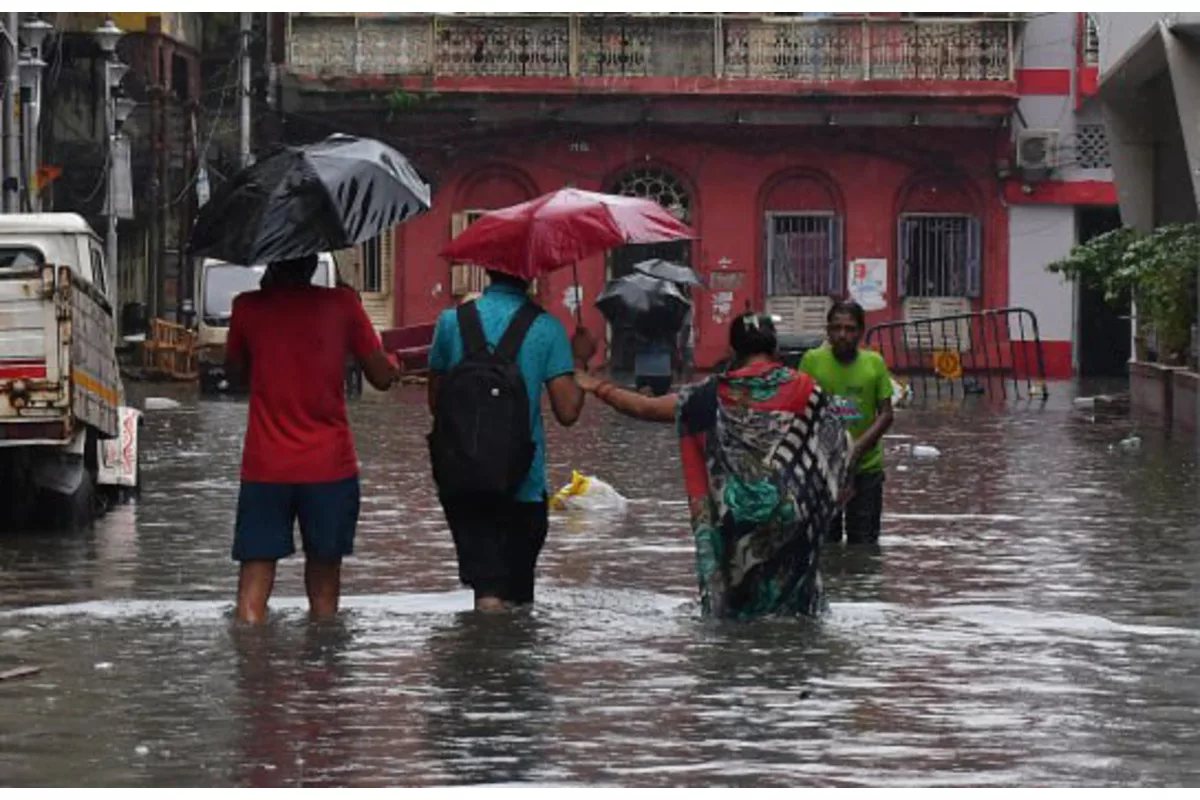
x: 545, y: 355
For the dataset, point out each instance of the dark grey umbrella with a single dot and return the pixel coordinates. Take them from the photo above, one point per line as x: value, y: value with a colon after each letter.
x: 654, y: 306
x: 669, y: 271
x: 309, y: 199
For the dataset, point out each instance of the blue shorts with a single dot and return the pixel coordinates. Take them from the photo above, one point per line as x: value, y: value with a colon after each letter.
x: 267, y: 514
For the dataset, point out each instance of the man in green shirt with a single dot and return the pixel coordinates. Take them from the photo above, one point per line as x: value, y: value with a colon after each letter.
x: 861, y: 391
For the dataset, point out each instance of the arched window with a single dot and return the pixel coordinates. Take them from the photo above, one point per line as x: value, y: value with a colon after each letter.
x: 660, y: 186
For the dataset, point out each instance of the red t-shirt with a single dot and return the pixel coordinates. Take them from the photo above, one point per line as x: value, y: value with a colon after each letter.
x: 294, y: 341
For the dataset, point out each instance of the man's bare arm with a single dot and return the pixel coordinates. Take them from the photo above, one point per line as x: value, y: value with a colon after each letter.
x: 379, y: 371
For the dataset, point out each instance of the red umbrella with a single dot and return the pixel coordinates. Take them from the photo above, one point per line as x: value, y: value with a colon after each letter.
x: 560, y: 228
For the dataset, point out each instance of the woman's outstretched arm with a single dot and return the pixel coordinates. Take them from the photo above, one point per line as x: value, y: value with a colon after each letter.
x: 631, y: 404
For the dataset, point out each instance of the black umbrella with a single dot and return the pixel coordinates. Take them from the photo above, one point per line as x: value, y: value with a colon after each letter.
x: 309, y: 199
x: 669, y: 271
x: 654, y: 306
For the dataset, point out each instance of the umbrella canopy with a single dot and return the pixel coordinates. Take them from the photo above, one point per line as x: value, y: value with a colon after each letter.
x: 309, y: 199
x: 669, y: 271
x: 654, y: 306
x: 560, y: 228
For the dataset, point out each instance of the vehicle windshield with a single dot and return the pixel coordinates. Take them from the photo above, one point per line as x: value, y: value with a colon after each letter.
x: 16, y: 258
x: 224, y: 282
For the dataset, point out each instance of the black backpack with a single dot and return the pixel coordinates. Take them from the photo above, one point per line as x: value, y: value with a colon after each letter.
x: 482, y: 446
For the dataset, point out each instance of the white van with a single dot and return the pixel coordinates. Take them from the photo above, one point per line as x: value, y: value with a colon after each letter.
x: 64, y: 428
x: 217, y: 284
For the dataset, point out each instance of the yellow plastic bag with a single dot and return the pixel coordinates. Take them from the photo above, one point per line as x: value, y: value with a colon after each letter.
x: 588, y: 493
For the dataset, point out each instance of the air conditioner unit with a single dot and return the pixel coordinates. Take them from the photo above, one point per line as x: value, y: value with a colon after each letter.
x: 939, y: 333
x: 798, y: 315
x: 1037, y: 151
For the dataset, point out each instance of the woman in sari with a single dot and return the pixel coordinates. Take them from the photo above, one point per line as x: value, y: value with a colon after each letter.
x: 764, y: 460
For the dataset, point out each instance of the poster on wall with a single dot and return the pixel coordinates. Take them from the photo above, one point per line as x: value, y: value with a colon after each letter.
x: 868, y: 283
x: 722, y: 307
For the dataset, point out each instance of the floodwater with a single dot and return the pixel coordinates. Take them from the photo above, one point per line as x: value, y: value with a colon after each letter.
x: 1032, y: 616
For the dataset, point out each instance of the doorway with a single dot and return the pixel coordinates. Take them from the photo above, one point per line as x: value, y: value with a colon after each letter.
x: 1103, y: 328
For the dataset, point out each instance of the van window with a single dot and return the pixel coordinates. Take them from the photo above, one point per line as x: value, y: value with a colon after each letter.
x: 321, y: 276
x: 19, y: 258
x: 222, y: 283
x: 99, y: 279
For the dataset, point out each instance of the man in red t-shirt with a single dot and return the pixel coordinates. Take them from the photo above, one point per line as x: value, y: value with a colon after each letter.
x: 298, y: 463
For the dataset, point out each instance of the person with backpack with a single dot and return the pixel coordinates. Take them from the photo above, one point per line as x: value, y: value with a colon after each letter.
x: 490, y: 359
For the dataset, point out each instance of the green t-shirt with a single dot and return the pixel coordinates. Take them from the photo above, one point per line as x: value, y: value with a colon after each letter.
x: 856, y: 390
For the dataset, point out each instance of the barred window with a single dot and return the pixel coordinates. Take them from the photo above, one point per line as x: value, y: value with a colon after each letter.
x: 1091, y: 147
x: 804, y: 254
x: 940, y: 256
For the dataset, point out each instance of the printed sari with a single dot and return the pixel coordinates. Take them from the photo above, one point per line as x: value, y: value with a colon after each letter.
x: 764, y: 458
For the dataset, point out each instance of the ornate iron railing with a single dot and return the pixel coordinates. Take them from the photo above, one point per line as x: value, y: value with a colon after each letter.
x: 734, y: 46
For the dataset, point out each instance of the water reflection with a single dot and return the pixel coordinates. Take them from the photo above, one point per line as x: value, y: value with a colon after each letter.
x: 490, y: 708
x: 291, y: 679
x: 1028, y: 616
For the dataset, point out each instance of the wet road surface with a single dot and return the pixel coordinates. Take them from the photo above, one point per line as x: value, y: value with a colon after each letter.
x: 1032, y: 616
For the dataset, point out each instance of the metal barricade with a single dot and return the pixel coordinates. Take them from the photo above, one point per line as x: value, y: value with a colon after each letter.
x: 995, y: 351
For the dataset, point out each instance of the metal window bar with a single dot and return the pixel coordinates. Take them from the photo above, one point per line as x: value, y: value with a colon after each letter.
x: 372, y: 258
x: 804, y: 254
x: 940, y: 255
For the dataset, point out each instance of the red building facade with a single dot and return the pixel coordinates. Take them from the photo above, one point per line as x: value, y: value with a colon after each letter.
x: 795, y: 147
x: 731, y: 194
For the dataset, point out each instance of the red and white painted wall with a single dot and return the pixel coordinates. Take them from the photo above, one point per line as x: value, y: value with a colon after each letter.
x: 927, y: 192
x: 1056, y: 80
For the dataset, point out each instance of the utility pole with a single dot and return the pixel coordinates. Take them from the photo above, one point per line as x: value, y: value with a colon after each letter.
x: 244, y: 20
x: 12, y: 135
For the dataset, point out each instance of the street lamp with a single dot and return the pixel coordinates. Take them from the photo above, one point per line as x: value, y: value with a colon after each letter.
x: 107, y: 36
x: 122, y: 108
x: 34, y: 32
x: 31, y: 66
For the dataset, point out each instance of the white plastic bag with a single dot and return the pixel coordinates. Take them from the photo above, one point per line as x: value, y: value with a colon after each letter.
x: 588, y: 494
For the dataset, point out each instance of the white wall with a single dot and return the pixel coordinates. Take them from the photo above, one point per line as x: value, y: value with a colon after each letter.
x: 1120, y: 31
x: 1037, y: 236
x: 1048, y: 41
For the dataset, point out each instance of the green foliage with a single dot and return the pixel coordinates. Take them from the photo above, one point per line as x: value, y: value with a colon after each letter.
x: 399, y: 101
x: 1157, y: 269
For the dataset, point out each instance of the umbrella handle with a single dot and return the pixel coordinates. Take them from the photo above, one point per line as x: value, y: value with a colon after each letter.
x: 578, y: 295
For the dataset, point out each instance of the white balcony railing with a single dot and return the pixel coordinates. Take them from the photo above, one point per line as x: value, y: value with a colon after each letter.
x: 788, y: 48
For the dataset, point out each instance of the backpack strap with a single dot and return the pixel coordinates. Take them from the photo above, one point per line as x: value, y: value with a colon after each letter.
x: 470, y: 327
x: 514, y: 337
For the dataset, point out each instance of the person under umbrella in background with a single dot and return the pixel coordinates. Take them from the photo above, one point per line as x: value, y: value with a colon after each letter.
x: 498, y: 535
x: 291, y: 340
x: 687, y: 343
x: 653, y: 361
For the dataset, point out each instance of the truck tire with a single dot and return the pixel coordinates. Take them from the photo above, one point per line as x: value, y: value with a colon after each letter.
x: 18, y: 495
x: 81, y: 509
x: 72, y: 512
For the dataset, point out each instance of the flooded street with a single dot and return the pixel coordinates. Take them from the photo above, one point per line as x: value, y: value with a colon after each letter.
x: 1032, y: 616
